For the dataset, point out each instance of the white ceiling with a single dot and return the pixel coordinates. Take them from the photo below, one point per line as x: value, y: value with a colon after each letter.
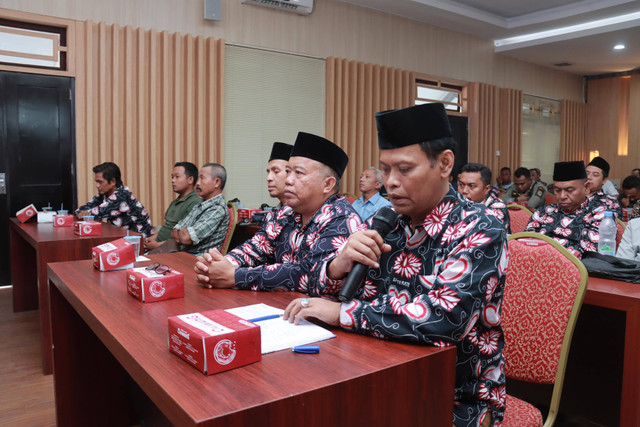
x: 588, y: 48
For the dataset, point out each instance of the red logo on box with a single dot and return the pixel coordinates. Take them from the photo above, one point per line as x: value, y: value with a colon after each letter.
x: 63, y: 221
x: 116, y: 255
x: 149, y: 286
x: 214, y: 341
x: 87, y: 228
x: 25, y: 214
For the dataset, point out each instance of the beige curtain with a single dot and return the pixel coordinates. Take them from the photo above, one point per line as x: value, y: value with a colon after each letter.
x: 573, y: 124
x: 484, y: 126
x: 355, y: 92
x: 145, y: 100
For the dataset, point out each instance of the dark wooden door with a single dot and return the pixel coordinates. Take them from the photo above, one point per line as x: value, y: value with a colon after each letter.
x: 37, y: 146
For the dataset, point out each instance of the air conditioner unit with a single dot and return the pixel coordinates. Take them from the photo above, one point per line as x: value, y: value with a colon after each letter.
x: 301, y: 7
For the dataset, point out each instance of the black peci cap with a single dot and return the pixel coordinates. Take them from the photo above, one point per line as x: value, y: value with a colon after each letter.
x: 412, y: 125
x: 569, y: 171
x: 280, y: 151
x: 322, y: 150
x: 602, y: 164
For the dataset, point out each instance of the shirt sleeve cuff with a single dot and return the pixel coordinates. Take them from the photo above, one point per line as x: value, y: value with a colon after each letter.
x: 193, y: 235
x: 349, y: 314
x: 324, y: 281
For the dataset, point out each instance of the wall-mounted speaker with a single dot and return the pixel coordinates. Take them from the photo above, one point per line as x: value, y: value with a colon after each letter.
x: 213, y: 10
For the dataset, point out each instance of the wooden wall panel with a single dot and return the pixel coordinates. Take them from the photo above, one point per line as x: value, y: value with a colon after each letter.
x: 607, y: 100
x: 145, y: 100
x: 335, y: 28
x: 634, y: 127
x: 355, y: 92
x: 573, y: 124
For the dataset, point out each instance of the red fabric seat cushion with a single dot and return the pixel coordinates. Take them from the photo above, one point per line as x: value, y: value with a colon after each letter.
x: 521, y: 414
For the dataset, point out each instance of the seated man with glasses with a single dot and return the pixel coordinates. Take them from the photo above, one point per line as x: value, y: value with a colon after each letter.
x: 315, y: 222
x: 574, y: 220
x: 205, y: 226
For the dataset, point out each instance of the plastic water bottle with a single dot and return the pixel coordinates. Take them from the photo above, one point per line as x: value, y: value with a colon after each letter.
x: 607, y: 230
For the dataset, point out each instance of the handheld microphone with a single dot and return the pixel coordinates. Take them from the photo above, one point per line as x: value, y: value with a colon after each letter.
x: 383, y: 222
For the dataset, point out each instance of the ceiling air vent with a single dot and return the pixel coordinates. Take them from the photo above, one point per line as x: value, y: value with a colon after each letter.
x: 562, y: 64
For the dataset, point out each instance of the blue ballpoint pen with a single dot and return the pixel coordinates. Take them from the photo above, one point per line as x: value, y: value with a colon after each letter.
x: 261, y: 318
x: 306, y: 349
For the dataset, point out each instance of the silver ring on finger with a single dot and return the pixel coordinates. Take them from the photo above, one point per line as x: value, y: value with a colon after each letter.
x: 304, y: 302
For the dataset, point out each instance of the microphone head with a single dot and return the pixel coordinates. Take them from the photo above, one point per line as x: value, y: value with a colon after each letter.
x: 384, y: 221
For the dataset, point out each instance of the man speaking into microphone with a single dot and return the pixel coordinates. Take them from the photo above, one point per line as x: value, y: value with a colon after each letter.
x: 438, y: 276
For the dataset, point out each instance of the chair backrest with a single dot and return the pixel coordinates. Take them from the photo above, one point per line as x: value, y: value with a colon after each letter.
x: 550, y: 199
x: 233, y: 221
x: 621, y: 228
x: 350, y: 197
x: 544, y: 289
x: 519, y: 217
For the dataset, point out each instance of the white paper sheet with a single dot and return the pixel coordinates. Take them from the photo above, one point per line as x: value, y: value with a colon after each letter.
x: 277, y: 334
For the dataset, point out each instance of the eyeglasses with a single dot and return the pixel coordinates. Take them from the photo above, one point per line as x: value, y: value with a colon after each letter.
x: 159, y: 268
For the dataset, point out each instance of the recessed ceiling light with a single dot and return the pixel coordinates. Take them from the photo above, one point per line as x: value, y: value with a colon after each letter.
x: 619, y: 46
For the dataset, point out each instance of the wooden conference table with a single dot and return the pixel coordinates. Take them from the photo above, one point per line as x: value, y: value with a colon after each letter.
x: 603, y: 371
x: 102, y: 336
x: 33, y: 245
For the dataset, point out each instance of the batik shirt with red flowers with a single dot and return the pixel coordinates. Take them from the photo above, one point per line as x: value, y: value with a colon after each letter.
x: 499, y: 209
x: 578, y: 231
x: 610, y: 203
x: 283, y: 252
x: 442, y: 285
x: 121, y: 209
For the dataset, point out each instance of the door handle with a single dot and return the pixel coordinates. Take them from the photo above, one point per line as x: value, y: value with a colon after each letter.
x: 3, y: 183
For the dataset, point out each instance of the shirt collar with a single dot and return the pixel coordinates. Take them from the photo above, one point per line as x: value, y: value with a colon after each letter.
x: 213, y: 201
x: 298, y: 217
x: 452, y: 198
x: 188, y: 196
x: 373, y: 199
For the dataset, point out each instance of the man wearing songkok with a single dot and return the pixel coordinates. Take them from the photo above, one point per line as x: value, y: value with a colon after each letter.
x: 597, y: 178
x: 315, y: 222
x: 474, y: 183
x: 277, y: 170
x: 573, y: 222
x: 438, y: 276
x: 371, y: 200
x: 205, y: 226
x: 183, y: 182
x: 115, y: 203
x: 524, y: 190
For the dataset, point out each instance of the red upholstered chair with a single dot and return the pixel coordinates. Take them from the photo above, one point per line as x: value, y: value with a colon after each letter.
x: 621, y: 228
x: 350, y: 197
x: 519, y: 217
x: 233, y: 221
x: 543, y: 294
x: 550, y: 199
